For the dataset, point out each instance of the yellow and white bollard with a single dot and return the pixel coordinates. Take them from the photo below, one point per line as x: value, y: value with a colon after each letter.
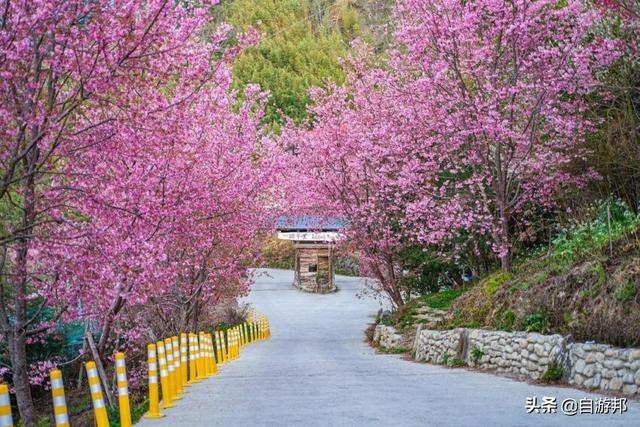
x: 167, y: 401
x: 218, y: 347
x: 6, y: 420
x: 237, y: 335
x: 234, y: 334
x: 123, y: 391
x: 231, y: 342
x: 171, y: 368
x: 154, y: 398
x: 99, y: 410
x: 60, y: 414
x: 177, y: 364
x: 184, y: 359
x: 212, y: 355
x: 210, y: 363
x: 202, y: 360
x: 205, y: 353
x: 225, y: 346
x: 236, y: 343
x: 193, y: 358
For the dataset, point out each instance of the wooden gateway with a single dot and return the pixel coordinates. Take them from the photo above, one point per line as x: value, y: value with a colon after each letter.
x: 314, y: 242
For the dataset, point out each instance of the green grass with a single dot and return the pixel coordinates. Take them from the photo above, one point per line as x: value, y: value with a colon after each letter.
x: 476, y: 354
x: 625, y: 291
x: 457, y: 362
x: 442, y: 300
x: 493, y: 282
x: 553, y: 373
x: 137, y: 411
x: 397, y: 350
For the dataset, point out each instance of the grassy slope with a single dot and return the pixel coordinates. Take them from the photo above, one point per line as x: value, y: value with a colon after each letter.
x: 578, y: 288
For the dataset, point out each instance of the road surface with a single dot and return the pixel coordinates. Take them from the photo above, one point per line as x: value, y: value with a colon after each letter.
x: 316, y: 370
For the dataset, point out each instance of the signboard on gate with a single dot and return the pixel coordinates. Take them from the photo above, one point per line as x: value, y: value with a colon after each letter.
x: 308, y: 236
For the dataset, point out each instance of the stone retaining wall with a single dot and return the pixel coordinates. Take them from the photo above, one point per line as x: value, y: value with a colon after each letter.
x: 601, y: 366
x: 530, y: 355
x: 436, y: 346
x: 387, y: 337
x: 519, y: 353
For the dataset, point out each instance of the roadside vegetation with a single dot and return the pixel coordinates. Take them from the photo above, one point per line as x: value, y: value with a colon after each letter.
x: 585, y: 283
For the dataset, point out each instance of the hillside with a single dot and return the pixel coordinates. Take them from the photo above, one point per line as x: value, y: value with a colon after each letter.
x: 301, y: 46
x: 584, y: 285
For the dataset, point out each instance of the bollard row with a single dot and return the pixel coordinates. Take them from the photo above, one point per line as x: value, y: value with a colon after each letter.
x: 173, y: 364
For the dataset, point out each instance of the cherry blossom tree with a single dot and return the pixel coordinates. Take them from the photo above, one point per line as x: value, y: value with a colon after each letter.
x: 463, y: 136
x: 85, y: 88
x: 170, y: 223
x: 503, y: 87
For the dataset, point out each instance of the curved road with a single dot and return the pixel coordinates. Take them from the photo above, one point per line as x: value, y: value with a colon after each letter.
x: 316, y: 370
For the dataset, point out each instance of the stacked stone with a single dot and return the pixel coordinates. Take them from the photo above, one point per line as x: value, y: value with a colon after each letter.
x: 428, y: 316
x: 604, y: 367
x: 432, y: 346
x: 519, y: 353
x: 387, y: 337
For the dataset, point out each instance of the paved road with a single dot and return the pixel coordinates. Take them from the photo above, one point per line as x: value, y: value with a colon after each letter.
x: 316, y: 370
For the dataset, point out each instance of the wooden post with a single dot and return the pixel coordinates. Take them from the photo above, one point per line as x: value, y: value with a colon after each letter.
x: 330, y: 266
x: 100, y: 367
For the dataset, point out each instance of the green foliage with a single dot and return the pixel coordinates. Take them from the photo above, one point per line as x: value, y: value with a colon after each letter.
x: 423, y: 268
x: 114, y: 416
x: 554, y: 373
x: 386, y: 321
x: 592, y: 291
x: 476, y: 354
x: 139, y: 410
x: 442, y: 300
x: 445, y: 358
x: 492, y: 283
x: 42, y: 421
x: 525, y: 282
x: 625, y: 291
x: 347, y: 265
x: 278, y: 253
x: 302, y: 44
x: 507, y: 321
x: 80, y: 405
x: 594, y: 236
x: 535, y: 322
x: 397, y: 350
x: 457, y: 362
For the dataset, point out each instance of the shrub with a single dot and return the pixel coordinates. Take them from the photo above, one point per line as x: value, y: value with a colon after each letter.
x: 457, y: 362
x: 554, y: 373
x: 535, y: 322
x: 445, y: 358
x: 492, y: 283
x: 442, y: 300
x: 507, y: 321
x: 476, y: 354
x: 625, y: 291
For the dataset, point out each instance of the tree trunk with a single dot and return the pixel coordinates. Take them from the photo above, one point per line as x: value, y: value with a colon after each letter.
x: 18, y: 343
x: 505, y: 243
x: 21, y: 385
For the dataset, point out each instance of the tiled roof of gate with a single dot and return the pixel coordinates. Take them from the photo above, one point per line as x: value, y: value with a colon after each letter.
x: 309, y: 222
